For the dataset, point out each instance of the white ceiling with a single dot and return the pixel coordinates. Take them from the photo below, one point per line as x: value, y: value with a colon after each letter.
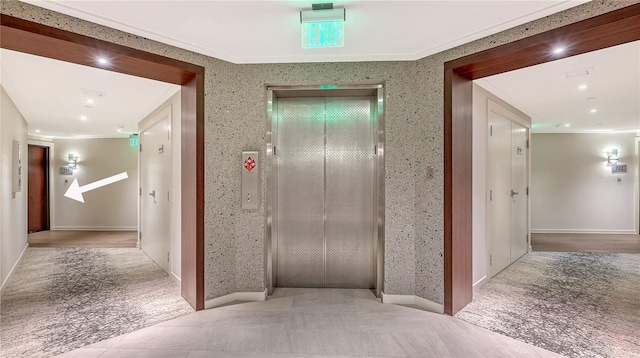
x: 269, y: 31
x: 50, y: 93
x: 550, y: 92
x: 52, y: 96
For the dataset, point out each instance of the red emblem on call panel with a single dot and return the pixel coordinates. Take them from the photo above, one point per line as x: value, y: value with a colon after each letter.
x: 249, y: 164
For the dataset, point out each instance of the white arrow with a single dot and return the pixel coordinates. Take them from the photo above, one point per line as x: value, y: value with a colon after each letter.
x: 75, y: 191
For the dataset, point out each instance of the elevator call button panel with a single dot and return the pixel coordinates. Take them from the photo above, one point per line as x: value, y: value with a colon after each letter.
x: 250, y: 198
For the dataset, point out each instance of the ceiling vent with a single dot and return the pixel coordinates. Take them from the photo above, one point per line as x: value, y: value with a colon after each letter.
x: 579, y: 73
x: 93, y: 93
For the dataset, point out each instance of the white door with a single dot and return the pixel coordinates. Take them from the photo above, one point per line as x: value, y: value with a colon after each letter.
x: 507, y: 205
x: 499, y: 181
x: 155, y: 195
x: 519, y: 179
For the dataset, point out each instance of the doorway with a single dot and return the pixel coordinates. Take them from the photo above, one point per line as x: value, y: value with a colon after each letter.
x: 38, y: 188
x: 324, y: 187
x: 29, y: 37
x: 507, y: 182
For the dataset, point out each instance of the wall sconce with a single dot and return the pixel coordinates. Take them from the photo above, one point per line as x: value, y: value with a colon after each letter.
x: 612, y: 158
x: 72, y: 161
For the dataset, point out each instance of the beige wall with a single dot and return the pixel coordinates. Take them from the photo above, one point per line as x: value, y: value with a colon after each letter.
x: 112, y: 207
x: 573, y: 189
x: 13, y: 206
x: 235, y: 121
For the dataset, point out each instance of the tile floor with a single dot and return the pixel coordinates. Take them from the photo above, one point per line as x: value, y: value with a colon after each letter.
x: 312, y: 323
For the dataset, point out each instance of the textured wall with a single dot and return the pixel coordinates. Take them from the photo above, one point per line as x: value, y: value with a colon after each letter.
x: 235, y: 120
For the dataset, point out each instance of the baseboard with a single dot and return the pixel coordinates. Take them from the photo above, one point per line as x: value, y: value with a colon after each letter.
x: 413, y: 300
x: 175, y: 278
x: 236, y: 296
x: 13, y: 269
x: 481, y: 282
x: 583, y: 231
x: 95, y: 228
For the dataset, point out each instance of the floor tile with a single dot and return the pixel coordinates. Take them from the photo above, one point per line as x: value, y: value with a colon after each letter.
x: 320, y: 342
x: 84, y: 353
x: 316, y: 323
x: 145, y: 353
x: 342, y: 321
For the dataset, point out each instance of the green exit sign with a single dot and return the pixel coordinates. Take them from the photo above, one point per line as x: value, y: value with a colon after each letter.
x: 133, y: 140
x: 322, y: 34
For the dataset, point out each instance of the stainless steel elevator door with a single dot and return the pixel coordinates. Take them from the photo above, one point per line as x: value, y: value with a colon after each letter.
x: 325, y: 166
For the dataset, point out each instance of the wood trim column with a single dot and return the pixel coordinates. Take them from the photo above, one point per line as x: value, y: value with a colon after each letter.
x: 192, y: 282
x: 457, y: 191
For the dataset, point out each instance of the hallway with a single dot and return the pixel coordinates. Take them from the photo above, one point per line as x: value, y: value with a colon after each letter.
x: 312, y: 323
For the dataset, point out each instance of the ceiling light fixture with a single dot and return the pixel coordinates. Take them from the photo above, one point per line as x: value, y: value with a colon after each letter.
x: 37, y: 131
x: 323, y: 26
x: 559, y: 50
x: 593, y: 110
x: 103, y: 61
x: 582, y: 87
x: 84, y: 118
x: 567, y: 125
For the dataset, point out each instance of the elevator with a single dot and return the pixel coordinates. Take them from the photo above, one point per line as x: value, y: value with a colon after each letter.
x: 325, y: 187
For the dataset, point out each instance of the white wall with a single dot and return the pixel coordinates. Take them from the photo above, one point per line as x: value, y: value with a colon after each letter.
x: 13, y: 206
x: 573, y: 189
x: 112, y: 207
x: 479, y: 172
x: 176, y: 180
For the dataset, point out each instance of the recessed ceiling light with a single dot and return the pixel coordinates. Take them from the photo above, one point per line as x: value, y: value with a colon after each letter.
x: 103, y: 61
x: 567, y: 125
x: 582, y: 87
x: 558, y: 50
x: 593, y: 111
x: 37, y: 131
x: 84, y: 118
x: 90, y: 101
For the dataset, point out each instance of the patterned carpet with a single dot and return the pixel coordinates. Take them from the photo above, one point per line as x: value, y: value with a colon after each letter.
x: 64, y: 298
x: 574, y: 304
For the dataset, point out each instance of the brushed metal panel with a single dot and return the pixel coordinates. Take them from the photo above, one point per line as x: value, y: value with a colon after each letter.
x: 250, y: 180
x: 296, y: 263
x: 349, y: 193
x: 300, y: 192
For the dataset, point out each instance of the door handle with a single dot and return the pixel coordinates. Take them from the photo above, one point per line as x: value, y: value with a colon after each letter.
x: 513, y: 193
x: 153, y: 193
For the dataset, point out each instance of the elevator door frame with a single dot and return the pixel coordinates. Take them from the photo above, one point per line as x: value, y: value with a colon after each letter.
x: 377, y: 93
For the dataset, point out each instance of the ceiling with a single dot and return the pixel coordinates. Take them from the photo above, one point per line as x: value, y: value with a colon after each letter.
x: 589, y: 93
x: 269, y: 31
x: 52, y: 94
